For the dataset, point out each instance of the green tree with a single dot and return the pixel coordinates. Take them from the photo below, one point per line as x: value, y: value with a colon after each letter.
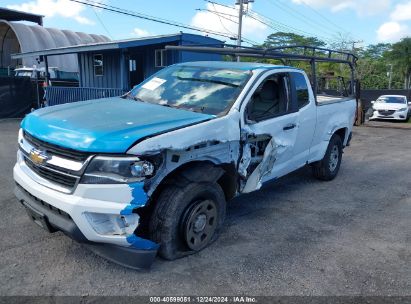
x: 280, y: 39
x: 400, y: 55
x: 375, y: 51
x: 373, y: 65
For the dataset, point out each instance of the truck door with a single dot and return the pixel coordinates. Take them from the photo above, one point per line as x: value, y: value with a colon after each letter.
x: 307, y: 118
x: 269, y: 132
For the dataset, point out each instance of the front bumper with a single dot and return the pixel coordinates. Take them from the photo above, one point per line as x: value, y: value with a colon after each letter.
x: 394, y: 116
x: 67, y: 213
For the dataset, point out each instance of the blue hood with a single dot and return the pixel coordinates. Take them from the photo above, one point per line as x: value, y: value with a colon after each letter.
x: 108, y: 125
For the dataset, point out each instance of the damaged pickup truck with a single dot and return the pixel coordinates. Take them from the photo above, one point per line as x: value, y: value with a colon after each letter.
x: 151, y: 172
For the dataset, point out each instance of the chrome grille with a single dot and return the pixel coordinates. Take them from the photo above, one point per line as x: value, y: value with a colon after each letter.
x: 58, y: 168
x: 56, y: 150
x: 53, y: 176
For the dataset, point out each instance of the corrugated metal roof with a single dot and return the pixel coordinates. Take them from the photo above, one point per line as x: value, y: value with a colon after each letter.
x: 34, y: 38
x: 121, y: 44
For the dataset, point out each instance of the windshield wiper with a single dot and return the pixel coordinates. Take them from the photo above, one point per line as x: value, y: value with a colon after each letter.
x: 129, y: 96
x: 209, y: 80
x: 184, y: 107
x: 139, y: 99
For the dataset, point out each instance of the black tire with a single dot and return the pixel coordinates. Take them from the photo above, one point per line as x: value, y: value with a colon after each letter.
x: 327, y: 168
x: 178, y: 211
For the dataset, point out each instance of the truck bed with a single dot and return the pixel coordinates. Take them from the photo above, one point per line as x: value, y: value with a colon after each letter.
x: 327, y: 99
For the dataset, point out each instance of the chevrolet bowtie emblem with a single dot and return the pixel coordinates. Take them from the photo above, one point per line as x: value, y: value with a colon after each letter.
x: 38, y: 157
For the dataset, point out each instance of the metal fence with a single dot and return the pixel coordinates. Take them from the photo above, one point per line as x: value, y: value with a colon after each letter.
x: 60, y: 95
x: 17, y: 96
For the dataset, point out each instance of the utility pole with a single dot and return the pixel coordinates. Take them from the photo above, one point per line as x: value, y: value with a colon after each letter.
x: 240, y: 20
x: 240, y: 24
x: 390, y: 77
x: 354, y: 43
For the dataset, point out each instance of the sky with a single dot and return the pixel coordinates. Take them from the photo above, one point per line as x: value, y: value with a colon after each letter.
x: 362, y: 21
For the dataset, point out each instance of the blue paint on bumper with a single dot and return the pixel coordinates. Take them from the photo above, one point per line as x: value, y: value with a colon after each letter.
x: 139, y: 198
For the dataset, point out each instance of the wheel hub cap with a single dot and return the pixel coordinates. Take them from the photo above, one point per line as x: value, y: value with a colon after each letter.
x: 200, y: 224
x: 334, y: 157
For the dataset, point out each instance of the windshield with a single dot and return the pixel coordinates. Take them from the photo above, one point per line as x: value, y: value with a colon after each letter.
x: 391, y: 99
x: 23, y: 73
x: 198, y: 89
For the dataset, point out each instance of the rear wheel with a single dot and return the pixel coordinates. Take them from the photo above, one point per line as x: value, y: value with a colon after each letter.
x: 327, y: 169
x: 186, y: 219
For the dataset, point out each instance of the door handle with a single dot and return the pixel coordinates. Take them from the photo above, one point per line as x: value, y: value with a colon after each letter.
x: 289, y: 127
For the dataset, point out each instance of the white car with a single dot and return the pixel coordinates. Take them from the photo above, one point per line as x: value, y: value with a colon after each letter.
x: 394, y: 107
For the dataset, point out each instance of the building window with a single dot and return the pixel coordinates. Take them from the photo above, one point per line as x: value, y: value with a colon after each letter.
x: 132, y: 65
x: 98, y: 65
x: 160, y: 58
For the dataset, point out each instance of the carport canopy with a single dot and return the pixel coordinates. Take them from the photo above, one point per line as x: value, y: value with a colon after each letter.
x: 13, y: 15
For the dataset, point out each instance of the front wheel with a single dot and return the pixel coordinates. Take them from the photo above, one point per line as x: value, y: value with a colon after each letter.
x: 186, y: 219
x: 327, y: 168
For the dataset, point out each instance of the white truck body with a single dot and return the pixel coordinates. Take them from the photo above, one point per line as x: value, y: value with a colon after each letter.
x: 247, y: 153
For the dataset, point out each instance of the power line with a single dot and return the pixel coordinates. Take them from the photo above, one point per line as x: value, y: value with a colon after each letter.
x: 154, y: 19
x: 297, y: 14
x: 273, y: 24
x: 217, y: 12
x: 324, y: 17
x: 221, y: 22
x: 324, y: 22
x: 101, y: 22
x: 278, y: 26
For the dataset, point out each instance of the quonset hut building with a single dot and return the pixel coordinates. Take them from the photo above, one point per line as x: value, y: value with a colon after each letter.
x: 17, y: 37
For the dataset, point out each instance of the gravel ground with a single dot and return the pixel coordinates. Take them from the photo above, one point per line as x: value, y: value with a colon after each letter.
x: 296, y: 236
x: 393, y: 124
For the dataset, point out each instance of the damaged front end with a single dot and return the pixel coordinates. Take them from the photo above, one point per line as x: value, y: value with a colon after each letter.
x: 94, y: 199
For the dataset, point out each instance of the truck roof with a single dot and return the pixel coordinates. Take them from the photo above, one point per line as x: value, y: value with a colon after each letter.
x: 235, y: 65
x: 392, y: 96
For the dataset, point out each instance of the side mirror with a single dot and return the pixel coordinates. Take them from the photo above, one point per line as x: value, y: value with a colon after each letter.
x: 409, y: 103
x: 372, y: 102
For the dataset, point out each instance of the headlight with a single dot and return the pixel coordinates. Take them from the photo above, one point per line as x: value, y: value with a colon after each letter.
x: 116, y: 170
x: 402, y: 109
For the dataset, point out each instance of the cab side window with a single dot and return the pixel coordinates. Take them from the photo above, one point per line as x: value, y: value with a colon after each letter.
x: 301, y: 89
x: 271, y: 99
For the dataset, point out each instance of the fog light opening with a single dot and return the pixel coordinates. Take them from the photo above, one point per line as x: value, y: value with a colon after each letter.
x: 113, y: 224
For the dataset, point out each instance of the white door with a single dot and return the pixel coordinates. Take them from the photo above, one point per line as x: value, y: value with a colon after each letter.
x: 307, y: 118
x: 270, y: 131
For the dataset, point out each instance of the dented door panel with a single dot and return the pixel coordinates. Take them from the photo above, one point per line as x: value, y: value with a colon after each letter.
x: 268, y: 144
x: 274, y: 153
